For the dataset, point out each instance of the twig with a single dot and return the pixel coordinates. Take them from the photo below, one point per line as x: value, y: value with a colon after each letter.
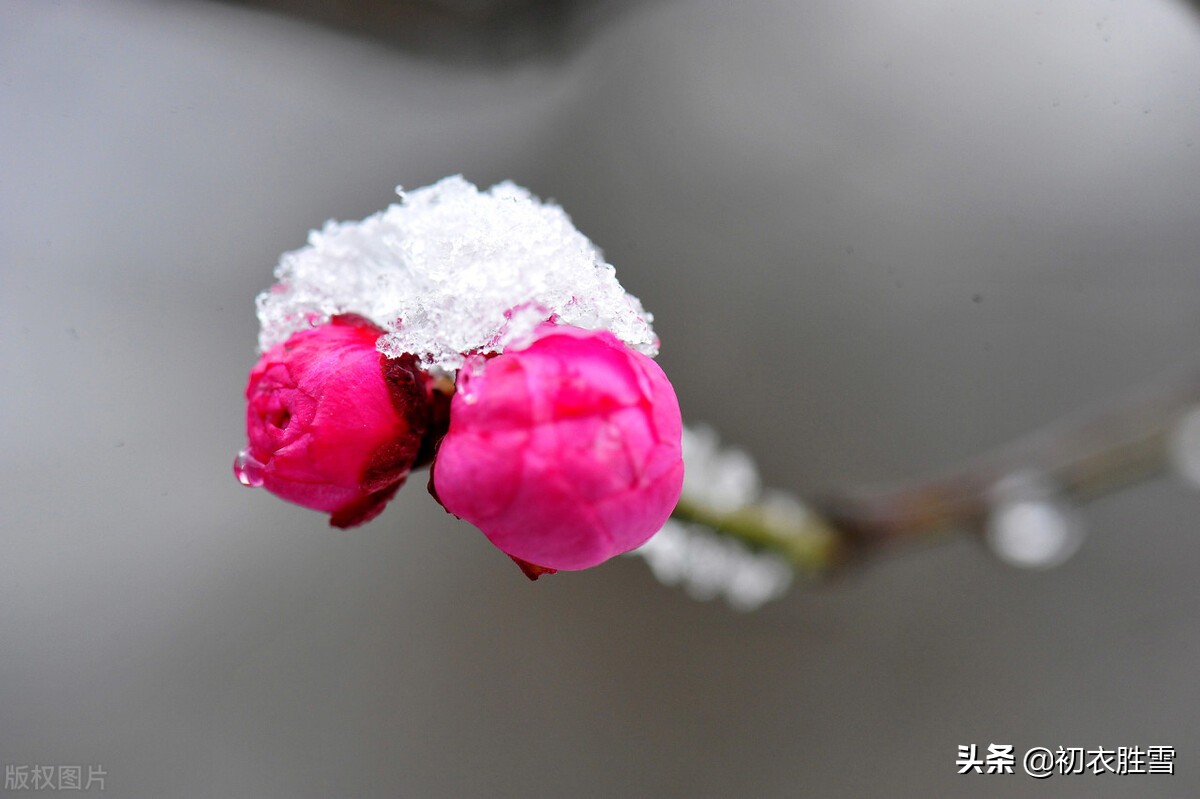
x: 1079, y: 458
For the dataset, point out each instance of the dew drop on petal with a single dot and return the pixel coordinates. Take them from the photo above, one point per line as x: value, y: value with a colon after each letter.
x: 466, y: 386
x: 248, y: 469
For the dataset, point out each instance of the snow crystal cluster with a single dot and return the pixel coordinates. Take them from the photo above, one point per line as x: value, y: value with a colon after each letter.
x: 451, y: 270
x: 724, y: 479
x: 708, y: 564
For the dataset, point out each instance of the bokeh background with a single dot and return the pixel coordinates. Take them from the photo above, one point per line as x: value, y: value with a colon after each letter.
x: 877, y: 238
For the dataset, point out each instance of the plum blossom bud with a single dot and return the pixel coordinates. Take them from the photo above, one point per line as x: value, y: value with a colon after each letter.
x: 333, y: 425
x: 564, y: 453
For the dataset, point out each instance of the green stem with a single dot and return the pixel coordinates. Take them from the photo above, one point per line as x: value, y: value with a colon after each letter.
x: 807, y: 541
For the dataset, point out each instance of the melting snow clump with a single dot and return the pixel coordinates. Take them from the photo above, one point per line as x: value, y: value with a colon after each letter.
x: 451, y: 270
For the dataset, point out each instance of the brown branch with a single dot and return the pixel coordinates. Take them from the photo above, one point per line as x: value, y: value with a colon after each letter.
x: 1081, y: 457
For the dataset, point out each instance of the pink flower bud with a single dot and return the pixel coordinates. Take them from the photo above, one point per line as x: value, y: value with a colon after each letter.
x: 334, y: 425
x: 564, y: 453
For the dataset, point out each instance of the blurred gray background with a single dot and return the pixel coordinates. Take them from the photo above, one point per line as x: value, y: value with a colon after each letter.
x: 876, y: 237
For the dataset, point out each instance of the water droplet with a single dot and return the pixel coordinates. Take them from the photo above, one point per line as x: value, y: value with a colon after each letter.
x: 1185, y: 447
x: 465, y: 389
x: 466, y: 386
x: 248, y: 469
x: 1031, y: 528
x: 1034, y: 534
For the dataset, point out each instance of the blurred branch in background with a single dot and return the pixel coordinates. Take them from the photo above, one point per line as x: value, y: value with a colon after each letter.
x: 466, y: 31
x: 487, y: 31
x: 1022, y: 499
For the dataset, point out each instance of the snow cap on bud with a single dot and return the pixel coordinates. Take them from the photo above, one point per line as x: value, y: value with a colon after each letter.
x: 332, y: 424
x: 565, y: 452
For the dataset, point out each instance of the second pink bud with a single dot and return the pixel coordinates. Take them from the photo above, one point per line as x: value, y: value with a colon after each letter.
x: 564, y: 453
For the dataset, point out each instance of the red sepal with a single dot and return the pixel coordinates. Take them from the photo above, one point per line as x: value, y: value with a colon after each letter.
x: 532, y: 570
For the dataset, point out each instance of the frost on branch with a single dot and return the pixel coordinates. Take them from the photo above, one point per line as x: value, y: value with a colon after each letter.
x: 445, y: 270
x: 704, y: 562
x: 722, y: 478
x: 707, y: 565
